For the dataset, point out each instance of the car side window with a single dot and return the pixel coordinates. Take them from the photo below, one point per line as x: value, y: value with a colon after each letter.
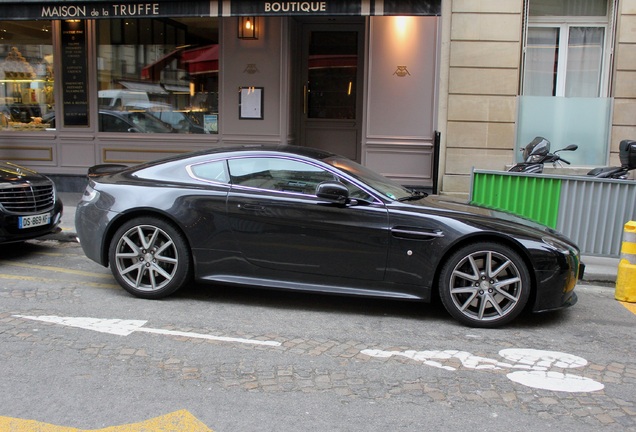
x: 211, y: 171
x: 110, y: 123
x: 277, y: 174
x: 356, y: 192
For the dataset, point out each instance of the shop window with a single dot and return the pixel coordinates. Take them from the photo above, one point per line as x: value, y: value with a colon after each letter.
x: 164, y: 68
x: 26, y: 75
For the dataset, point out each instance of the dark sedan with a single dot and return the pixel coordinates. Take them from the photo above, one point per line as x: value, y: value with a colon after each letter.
x: 295, y: 218
x: 29, y: 206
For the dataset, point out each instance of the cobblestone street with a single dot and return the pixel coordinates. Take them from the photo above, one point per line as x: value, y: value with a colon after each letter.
x: 345, y: 351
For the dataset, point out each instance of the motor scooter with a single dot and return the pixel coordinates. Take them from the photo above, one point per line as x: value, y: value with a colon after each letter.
x: 627, y: 154
x: 537, y: 153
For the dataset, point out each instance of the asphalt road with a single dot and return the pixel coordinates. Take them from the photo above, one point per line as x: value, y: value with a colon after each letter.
x: 79, y: 352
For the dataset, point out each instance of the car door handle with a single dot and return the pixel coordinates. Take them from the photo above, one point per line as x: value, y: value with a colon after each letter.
x: 251, y: 207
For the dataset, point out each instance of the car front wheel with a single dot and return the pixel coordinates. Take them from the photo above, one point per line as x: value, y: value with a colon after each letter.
x: 149, y: 258
x: 484, y: 285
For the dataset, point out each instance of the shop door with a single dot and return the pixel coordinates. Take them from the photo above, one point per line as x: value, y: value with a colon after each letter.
x: 332, y: 87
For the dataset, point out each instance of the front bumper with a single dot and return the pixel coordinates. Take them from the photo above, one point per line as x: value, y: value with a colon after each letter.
x: 10, y: 233
x: 555, y: 284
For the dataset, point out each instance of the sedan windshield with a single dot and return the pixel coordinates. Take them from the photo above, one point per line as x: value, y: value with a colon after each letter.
x: 386, y: 187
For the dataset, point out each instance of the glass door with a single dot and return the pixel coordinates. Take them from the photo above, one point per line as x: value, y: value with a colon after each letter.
x: 331, y: 70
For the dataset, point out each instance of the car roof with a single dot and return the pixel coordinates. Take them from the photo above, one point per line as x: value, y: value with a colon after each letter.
x: 234, y: 150
x: 114, y: 172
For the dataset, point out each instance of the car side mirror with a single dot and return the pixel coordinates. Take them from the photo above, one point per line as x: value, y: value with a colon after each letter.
x: 333, y: 191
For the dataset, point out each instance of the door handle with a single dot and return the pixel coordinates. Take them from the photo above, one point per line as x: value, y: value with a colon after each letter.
x: 305, y: 99
x: 251, y: 207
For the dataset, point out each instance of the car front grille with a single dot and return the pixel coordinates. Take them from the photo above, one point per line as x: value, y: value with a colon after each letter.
x: 27, y: 198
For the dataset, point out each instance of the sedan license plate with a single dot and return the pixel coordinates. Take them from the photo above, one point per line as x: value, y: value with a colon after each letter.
x: 34, y: 221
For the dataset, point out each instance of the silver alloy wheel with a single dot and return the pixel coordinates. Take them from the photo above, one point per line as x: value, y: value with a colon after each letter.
x: 486, y: 285
x: 146, y: 258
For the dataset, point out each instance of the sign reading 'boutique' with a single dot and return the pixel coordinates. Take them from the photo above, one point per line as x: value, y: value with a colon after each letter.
x: 296, y: 8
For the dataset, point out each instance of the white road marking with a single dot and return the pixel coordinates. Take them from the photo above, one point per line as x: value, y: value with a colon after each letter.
x: 534, y: 362
x: 555, y: 381
x: 126, y: 327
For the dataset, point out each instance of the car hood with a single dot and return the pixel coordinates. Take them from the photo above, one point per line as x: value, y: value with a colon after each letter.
x: 10, y: 172
x: 490, y: 217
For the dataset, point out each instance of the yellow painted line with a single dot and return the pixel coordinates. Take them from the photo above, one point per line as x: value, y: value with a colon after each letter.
x: 46, y: 280
x: 54, y: 269
x: 178, y: 421
x: 58, y: 254
x: 630, y: 307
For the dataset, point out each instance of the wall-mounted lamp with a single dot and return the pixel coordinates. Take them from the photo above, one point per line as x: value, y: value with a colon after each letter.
x: 247, y: 27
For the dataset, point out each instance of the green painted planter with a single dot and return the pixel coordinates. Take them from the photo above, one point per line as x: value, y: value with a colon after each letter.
x: 536, y: 198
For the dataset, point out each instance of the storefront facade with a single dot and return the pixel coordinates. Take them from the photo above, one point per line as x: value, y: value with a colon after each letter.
x: 422, y: 91
x: 85, y: 83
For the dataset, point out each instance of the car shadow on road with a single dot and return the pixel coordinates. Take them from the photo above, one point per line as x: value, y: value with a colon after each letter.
x: 23, y: 250
x: 309, y: 301
x: 430, y: 313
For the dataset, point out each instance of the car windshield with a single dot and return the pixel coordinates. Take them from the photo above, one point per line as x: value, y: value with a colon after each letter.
x: 388, y: 188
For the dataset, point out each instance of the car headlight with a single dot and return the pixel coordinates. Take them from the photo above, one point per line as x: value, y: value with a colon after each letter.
x: 558, y: 245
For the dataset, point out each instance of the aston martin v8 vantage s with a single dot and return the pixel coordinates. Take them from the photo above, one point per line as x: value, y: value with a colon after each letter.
x: 286, y: 217
x: 29, y: 205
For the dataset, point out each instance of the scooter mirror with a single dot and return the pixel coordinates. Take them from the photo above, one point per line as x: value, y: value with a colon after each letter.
x: 571, y: 147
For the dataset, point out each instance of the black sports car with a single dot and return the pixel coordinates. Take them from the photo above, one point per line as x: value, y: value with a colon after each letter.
x: 29, y: 206
x: 296, y: 218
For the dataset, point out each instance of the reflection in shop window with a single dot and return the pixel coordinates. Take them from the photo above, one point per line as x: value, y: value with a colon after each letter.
x: 164, y: 68
x: 26, y: 75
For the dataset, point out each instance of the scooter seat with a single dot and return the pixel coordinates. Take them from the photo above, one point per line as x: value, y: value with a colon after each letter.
x: 604, y: 172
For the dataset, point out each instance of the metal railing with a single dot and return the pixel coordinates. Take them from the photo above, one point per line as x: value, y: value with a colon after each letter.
x: 590, y: 211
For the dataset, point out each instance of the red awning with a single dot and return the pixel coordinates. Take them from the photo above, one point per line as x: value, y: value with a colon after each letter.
x: 202, y: 60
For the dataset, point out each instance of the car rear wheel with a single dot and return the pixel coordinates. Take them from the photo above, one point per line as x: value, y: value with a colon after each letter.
x: 485, y: 285
x: 149, y: 258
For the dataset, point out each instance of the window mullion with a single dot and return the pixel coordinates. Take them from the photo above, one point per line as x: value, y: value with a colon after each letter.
x: 564, y: 37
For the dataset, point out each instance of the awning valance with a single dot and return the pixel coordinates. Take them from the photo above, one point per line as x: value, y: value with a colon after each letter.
x: 96, y: 9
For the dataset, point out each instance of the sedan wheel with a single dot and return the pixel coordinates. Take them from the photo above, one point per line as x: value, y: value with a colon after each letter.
x: 149, y: 258
x: 484, y: 285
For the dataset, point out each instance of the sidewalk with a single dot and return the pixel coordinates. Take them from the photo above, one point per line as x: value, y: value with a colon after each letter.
x: 598, y: 270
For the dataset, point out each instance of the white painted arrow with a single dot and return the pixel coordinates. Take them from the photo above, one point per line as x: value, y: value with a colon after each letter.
x: 122, y: 327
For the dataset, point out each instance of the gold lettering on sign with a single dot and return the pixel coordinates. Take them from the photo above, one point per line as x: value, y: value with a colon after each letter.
x: 307, y: 7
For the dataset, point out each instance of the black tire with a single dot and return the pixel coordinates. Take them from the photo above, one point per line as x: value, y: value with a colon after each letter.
x: 149, y: 258
x: 484, y: 285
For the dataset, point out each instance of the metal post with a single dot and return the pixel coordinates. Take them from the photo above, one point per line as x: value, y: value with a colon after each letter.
x: 626, y: 276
